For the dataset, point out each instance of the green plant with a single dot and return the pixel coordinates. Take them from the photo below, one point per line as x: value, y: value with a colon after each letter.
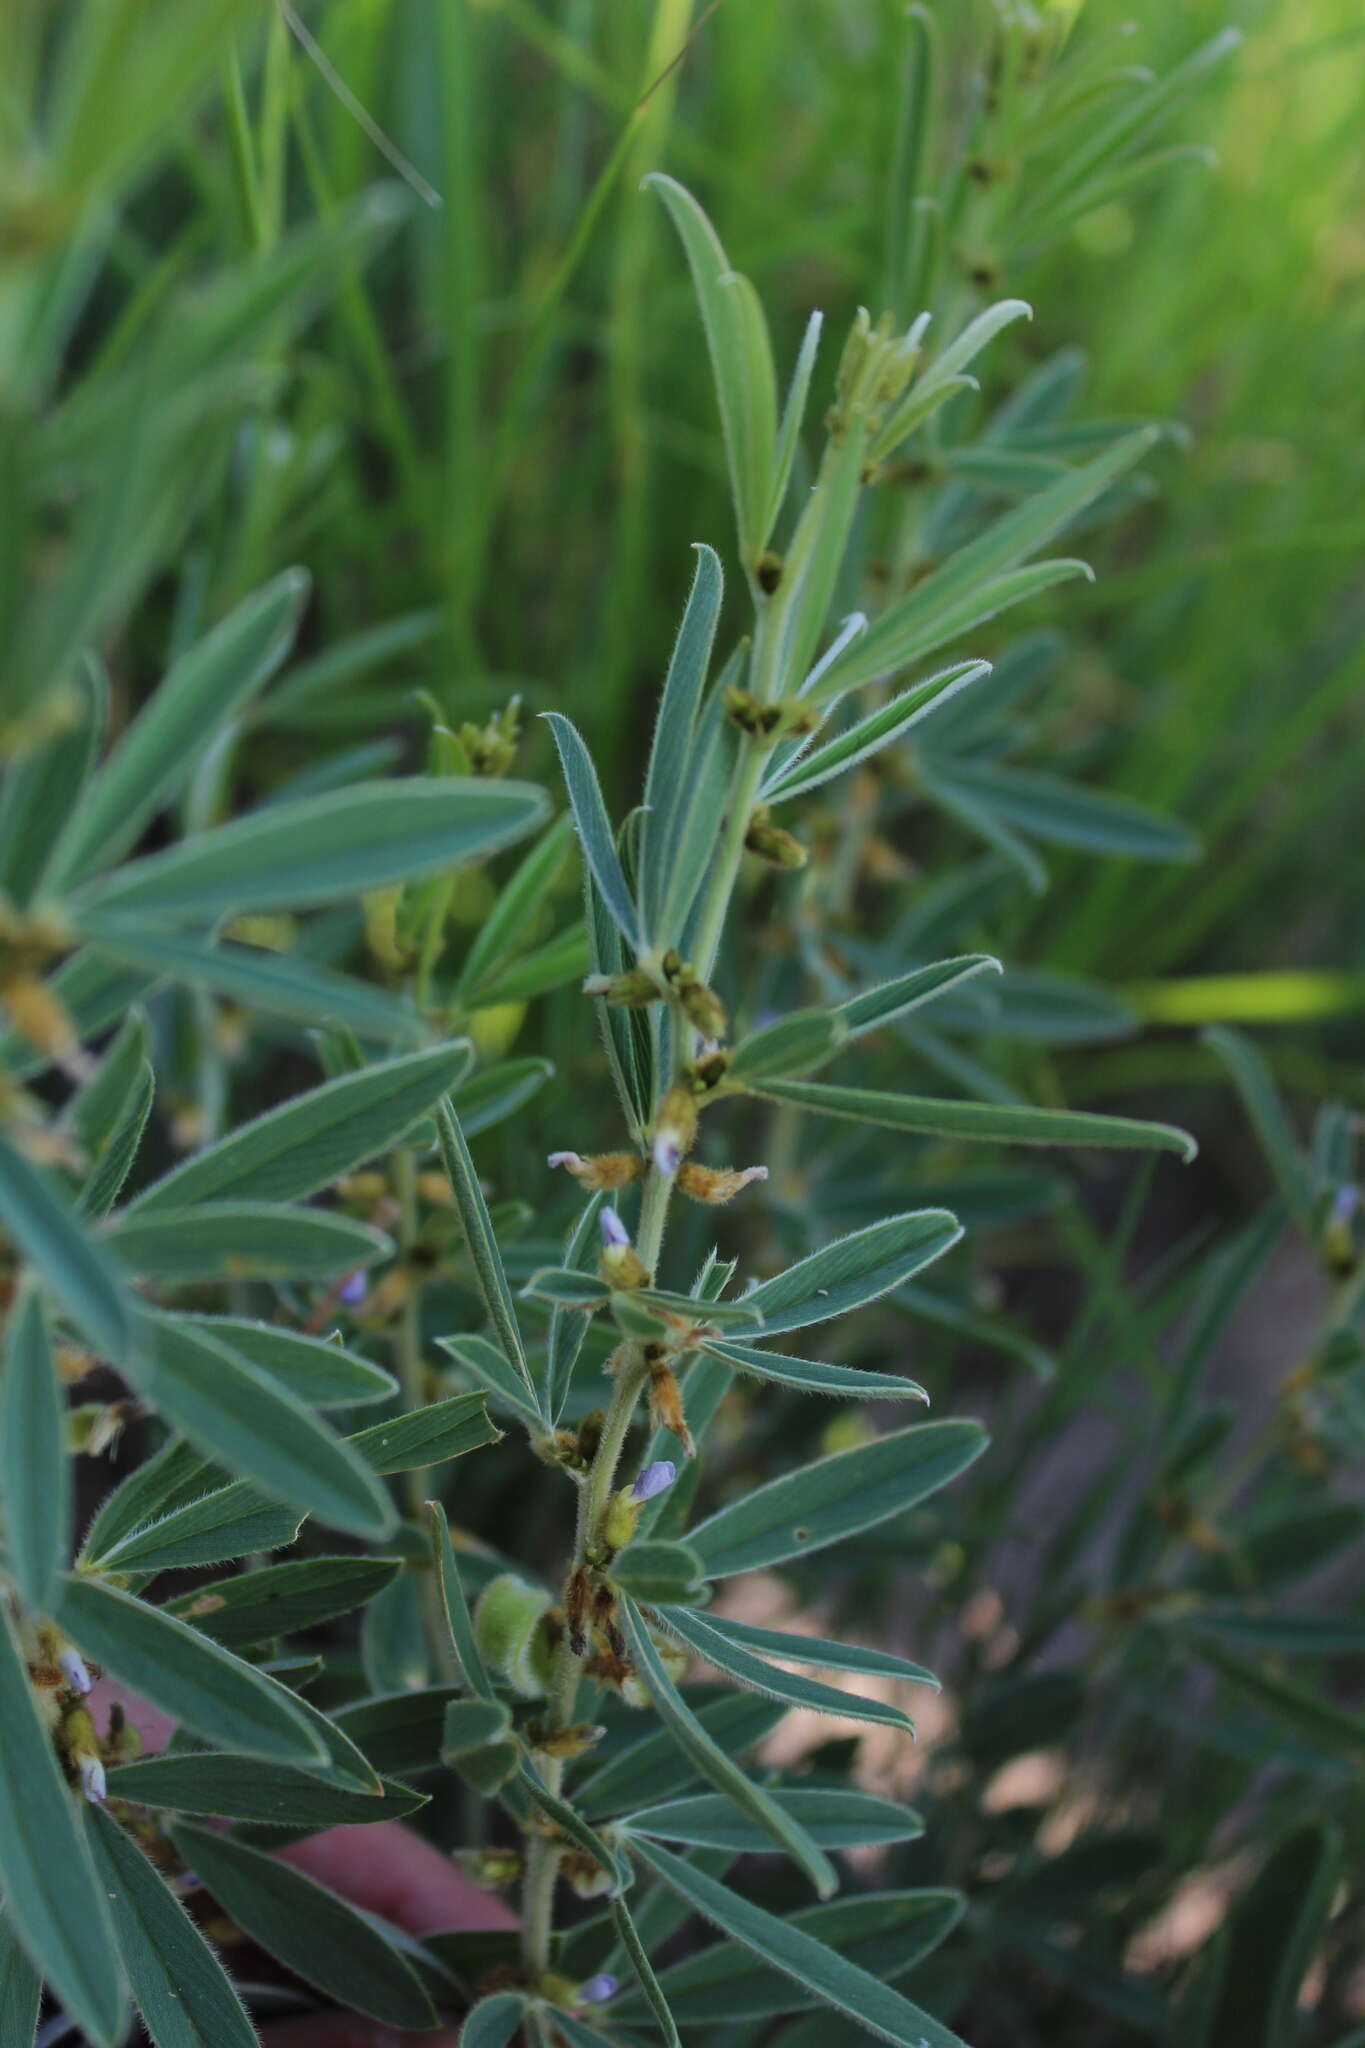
x: 194, y: 906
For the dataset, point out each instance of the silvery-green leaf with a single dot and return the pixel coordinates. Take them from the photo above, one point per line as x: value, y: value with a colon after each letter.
x: 741, y: 365
x: 1002, y: 1123
x: 814, y: 1376
x: 278, y: 1599
x: 503, y: 935
x: 793, y: 1689
x: 455, y: 1604
x: 310, y: 1930
x: 853, y: 1270
x: 838, y: 1496
x: 238, y: 1414
x: 868, y: 736
x: 595, y: 835
x: 788, y: 1948
x: 321, y: 849
x: 654, y: 1768
x: 35, y: 1476
x: 78, y: 1269
x: 672, y: 768
x: 53, y: 1901
x: 215, y: 1694
x: 482, y: 1246
x: 714, y: 1763
x: 818, y: 1650
x: 154, y: 758
x: 319, y: 1371
x: 836, y: 1819
x: 181, y: 1988
x: 311, y: 1141
x: 244, y: 1240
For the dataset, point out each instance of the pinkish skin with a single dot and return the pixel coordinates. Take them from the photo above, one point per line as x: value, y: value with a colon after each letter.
x: 383, y: 1868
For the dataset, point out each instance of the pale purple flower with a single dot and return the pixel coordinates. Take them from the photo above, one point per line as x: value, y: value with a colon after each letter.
x: 73, y: 1670
x: 91, y: 1772
x: 667, y: 1153
x: 352, y: 1289
x: 654, y: 1479
x: 613, y: 1230
x: 569, y: 1159
x: 597, y: 1990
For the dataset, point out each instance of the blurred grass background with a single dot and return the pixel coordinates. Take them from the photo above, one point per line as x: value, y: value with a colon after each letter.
x: 479, y: 411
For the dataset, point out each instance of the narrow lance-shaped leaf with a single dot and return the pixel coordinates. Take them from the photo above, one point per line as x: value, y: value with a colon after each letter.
x: 884, y: 1933
x: 215, y: 1694
x: 52, y: 1900
x: 713, y: 1763
x: 793, y: 415
x: 21, y: 1991
x: 320, y: 1371
x: 310, y: 1142
x: 105, y: 1180
x: 853, y: 1270
x: 818, y: 1650
x: 644, y: 1973
x: 489, y: 1275
x: 322, y: 849
x: 670, y: 765
x: 503, y: 934
x: 836, y: 1819
x: 246, y: 1788
x: 741, y: 1664
x: 181, y: 1988
x: 204, y: 691
x: 46, y: 785
x: 921, y: 621
x: 244, y: 1241
x: 235, y: 1412
x: 77, y: 1269
x: 947, y: 374
x: 741, y: 364
x: 35, y: 1478
x: 876, y: 2006
x: 1003, y: 1123
x: 1252, y: 1079
x: 1063, y: 813
x: 835, y: 1497
x: 653, y: 1767
x: 595, y: 835
x: 308, y: 1929
x: 281, y: 1599
x: 814, y: 1376
x: 279, y: 984
x: 567, y: 1329
x: 455, y: 1606
x: 881, y: 728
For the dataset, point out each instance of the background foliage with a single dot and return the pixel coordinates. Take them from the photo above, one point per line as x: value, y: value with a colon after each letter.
x: 237, y: 336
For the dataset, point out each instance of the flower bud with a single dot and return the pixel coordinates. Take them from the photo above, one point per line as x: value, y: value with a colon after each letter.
x: 73, y: 1669
x: 621, y: 1264
x: 597, y: 1990
x: 633, y: 989
x: 780, y: 849
x: 90, y: 1771
x: 655, y: 1479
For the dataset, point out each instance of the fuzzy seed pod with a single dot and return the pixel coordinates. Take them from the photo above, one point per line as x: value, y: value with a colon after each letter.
x: 600, y: 1169
x: 510, y: 1630
x: 717, y: 1184
x: 666, y: 1405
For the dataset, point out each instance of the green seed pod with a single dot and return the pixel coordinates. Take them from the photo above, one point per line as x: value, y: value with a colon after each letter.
x: 509, y: 1627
